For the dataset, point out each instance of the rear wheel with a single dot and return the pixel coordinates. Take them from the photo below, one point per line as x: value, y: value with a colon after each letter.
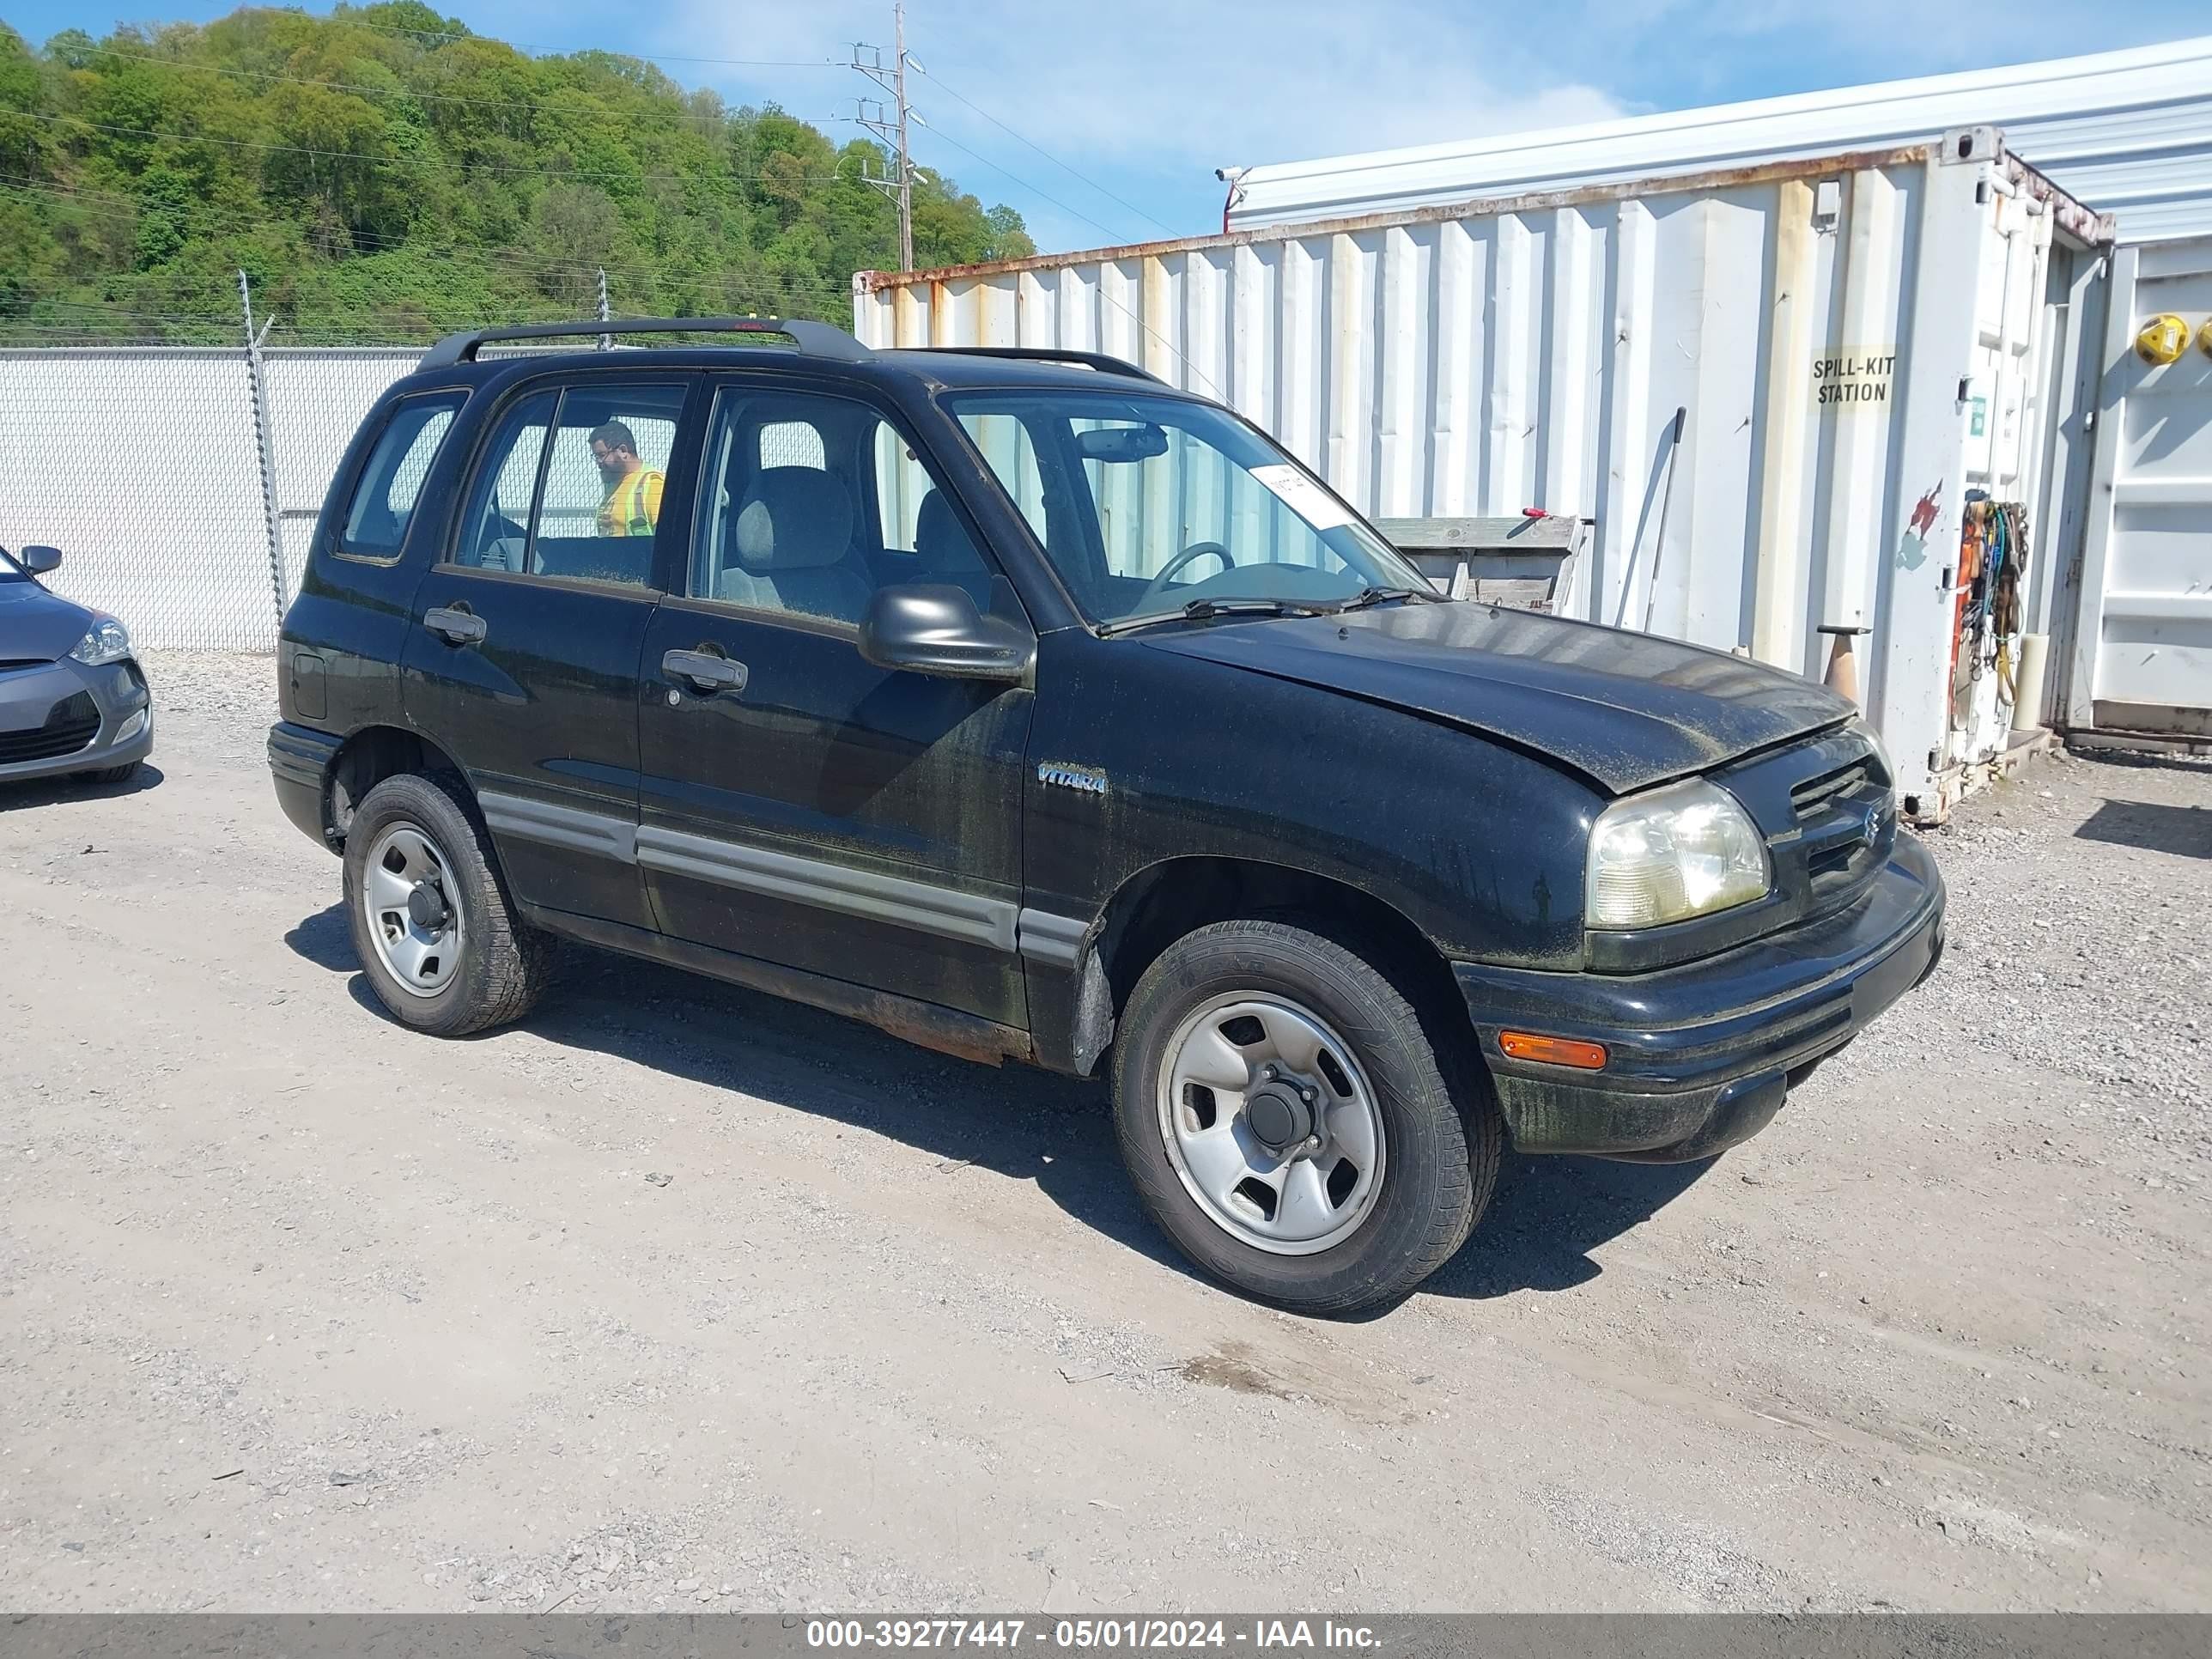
x: 431, y: 919
x: 1290, y: 1123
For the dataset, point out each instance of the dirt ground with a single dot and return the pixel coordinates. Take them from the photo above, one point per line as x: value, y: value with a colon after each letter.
x: 302, y: 1311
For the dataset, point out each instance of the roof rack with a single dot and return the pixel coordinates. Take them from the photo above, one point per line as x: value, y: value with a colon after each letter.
x: 819, y: 339
x: 1097, y: 360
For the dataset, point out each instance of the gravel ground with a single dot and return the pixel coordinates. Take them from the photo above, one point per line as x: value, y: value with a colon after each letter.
x: 300, y: 1311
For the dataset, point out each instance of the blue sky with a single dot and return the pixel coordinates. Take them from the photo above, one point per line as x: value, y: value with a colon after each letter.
x: 1144, y: 99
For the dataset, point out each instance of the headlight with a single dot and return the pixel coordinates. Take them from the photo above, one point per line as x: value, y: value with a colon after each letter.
x: 1683, y: 851
x: 104, y: 641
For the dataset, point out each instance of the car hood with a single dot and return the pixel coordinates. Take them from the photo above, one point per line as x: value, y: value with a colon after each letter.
x: 36, y: 626
x: 1627, y: 710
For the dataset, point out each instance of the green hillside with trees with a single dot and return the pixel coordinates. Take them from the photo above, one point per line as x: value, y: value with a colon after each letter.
x: 381, y: 173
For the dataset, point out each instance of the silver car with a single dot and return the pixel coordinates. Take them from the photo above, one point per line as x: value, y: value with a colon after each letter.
x: 73, y: 700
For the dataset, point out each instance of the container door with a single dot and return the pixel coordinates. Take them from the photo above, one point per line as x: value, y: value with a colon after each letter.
x: 2142, y: 653
x: 2000, y: 545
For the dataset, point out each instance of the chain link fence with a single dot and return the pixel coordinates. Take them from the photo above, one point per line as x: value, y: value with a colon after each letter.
x: 142, y: 464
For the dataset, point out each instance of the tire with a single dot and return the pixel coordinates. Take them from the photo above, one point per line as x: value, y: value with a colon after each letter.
x: 122, y: 773
x: 486, y: 971
x: 1436, y: 1146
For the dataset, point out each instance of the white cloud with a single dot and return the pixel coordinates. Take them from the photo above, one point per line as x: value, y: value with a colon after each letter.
x: 1149, y: 96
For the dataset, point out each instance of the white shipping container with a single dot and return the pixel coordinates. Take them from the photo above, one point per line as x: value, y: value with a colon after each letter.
x: 2129, y: 130
x: 1854, y: 341
x: 2138, y: 656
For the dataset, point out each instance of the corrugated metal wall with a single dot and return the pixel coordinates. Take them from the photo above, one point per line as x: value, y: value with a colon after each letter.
x: 1534, y: 353
x: 2128, y: 132
x: 139, y: 464
x: 1447, y: 368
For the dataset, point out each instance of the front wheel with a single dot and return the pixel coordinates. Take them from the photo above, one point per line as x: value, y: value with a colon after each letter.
x: 436, y: 932
x: 1289, y: 1122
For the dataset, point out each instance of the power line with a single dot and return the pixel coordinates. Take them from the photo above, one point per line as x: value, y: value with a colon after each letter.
x: 353, y: 87
x: 545, y: 46
x: 130, y: 209
x: 362, y: 89
x: 943, y: 86
x: 1016, y: 177
x: 1173, y: 348
x: 410, y: 161
x: 892, y: 80
x: 736, y: 287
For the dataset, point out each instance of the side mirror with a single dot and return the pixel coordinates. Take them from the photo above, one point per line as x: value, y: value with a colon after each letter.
x: 39, y: 560
x: 934, y: 628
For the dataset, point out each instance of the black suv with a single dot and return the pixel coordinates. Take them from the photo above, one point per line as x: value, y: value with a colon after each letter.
x: 1027, y: 708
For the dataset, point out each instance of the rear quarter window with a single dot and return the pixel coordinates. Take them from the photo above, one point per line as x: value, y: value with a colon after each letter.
x: 391, y: 480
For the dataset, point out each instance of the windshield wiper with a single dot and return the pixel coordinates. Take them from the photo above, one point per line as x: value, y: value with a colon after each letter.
x: 1367, y: 596
x: 1201, y: 609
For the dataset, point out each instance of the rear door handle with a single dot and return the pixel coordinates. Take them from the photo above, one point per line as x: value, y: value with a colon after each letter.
x: 705, y: 671
x: 455, y: 627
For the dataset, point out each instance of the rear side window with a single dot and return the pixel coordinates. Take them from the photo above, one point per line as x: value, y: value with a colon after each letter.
x: 571, y: 482
x: 384, y: 496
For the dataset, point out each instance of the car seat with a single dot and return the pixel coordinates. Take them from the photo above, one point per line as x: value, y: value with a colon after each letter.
x: 944, y: 552
x: 789, y: 547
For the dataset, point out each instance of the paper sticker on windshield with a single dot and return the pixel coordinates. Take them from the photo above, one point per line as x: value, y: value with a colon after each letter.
x: 1302, y: 495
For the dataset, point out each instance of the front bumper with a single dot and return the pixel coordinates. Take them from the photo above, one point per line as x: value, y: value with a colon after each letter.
x: 38, y: 700
x: 1700, y: 1057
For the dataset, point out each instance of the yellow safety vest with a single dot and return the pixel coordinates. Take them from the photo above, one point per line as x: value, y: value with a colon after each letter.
x: 632, y: 506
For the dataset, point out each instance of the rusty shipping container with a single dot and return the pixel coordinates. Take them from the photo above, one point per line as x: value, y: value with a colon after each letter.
x: 1760, y: 395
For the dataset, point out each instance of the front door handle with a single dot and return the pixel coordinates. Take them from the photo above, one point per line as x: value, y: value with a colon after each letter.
x: 704, y: 669
x: 455, y: 627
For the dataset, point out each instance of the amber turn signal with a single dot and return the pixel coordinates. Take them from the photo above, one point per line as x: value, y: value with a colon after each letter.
x: 1552, y: 1051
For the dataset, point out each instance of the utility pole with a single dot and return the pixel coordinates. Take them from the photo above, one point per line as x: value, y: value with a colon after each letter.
x: 890, y: 124
x: 606, y: 341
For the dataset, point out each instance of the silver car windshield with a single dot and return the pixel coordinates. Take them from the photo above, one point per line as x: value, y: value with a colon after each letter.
x: 1157, y: 505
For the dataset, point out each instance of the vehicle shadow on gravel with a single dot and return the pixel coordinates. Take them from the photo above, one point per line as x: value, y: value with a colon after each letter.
x: 53, y: 791
x: 2186, y: 832
x: 1548, y: 1214
x: 1015, y: 1121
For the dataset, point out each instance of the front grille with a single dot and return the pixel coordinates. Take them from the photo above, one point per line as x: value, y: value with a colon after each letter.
x: 1814, y: 797
x: 1847, y: 834
x: 11, y: 664
x: 70, y: 725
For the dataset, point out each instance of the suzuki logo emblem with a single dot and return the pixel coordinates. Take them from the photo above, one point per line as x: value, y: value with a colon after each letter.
x: 1870, y: 831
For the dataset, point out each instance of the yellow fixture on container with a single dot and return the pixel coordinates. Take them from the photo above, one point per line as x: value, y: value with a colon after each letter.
x: 2162, y: 340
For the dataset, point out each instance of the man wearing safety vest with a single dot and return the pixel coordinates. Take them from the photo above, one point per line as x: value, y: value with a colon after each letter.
x: 633, y: 504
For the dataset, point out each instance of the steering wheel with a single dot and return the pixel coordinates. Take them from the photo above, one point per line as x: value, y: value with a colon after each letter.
x: 1154, y: 588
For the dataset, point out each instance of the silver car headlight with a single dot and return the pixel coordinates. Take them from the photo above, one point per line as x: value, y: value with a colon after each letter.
x: 105, y: 641
x: 1687, y: 850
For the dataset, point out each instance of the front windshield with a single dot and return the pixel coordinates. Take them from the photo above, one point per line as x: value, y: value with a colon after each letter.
x: 9, y: 570
x: 1148, y: 505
